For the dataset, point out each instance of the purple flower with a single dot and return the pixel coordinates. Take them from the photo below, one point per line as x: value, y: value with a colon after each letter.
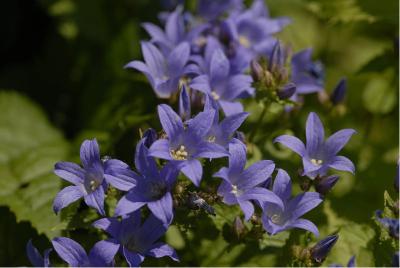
x: 319, y: 155
x: 339, y: 92
x: 277, y: 219
x: 240, y: 185
x: 162, y: 72
x: 221, y: 86
x: 323, y: 247
x: 90, y: 182
x: 391, y: 224
x: 307, y: 75
x: 222, y: 132
x: 34, y: 256
x: 153, y: 187
x: 102, y: 254
x: 185, y: 144
x: 135, y: 241
x: 251, y: 32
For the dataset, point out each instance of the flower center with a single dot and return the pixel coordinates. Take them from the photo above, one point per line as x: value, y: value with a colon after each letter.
x: 92, y: 181
x: 212, y: 138
x: 316, y: 162
x: 180, y: 153
x: 214, y: 95
x: 276, y: 218
x: 244, y: 41
x: 157, y: 190
x: 235, y: 189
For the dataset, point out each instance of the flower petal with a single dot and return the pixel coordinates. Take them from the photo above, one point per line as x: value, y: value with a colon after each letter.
x: 199, y: 126
x: 261, y: 195
x: 256, y: 174
x: 315, y: 133
x: 282, y: 185
x: 247, y: 208
x: 231, y: 123
x: 33, y: 255
x: 162, y: 208
x: 151, y: 230
x: 109, y: 225
x: 95, y: 200
x: 193, y: 170
x: 170, y: 121
x: 219, y: 67
x: 230, y: 107
x: 128, y: 204
x: 144, y: 163
x: 122, y: 179
x: 184, y: 104
x: 237, y: 158
x: 342, y: 163
x: 303, y: 203
x: 70, y: 172
x: 210, y: 150
x: 338, y: 140
x: 160, y: 250
x: 293, y: 143
x: 66, y: 196
x: 103, y: 252
x: 134, y: 259
x: 90, y: 154
x: 178, y: 58
x: 70, y: 251
x: 306, y: 225
x: 160, y: 149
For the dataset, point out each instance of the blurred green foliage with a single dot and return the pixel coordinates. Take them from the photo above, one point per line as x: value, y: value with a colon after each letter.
x: 68, y: 56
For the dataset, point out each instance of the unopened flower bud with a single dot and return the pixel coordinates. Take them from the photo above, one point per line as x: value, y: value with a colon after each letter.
x: 240, y: 136
x: 339, y: 92
x: 150, y: 136
x: 256, y: 70
x: 238, y: 227
x: 323, y: 247
x: 325, y: 184
x: 286, y: 91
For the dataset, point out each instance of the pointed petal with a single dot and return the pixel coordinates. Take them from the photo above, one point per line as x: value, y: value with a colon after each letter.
x: 315, y: 133
x: 223, y: 173
x: 90, y: 154
x: 66, y: 196
x: 306, y: 225
x: 184, y: 104
x: 160, y: 250
x: 109, y: 225
x: 95, y: 200
x: 134, y: 259
x: 342, y: 163
x: 237, y: 158
x: 138, y: 65
x: 178, y: 58
x: 70, y: 251
x: 256, y: 174
x: 303, y: 203
x: 338, y: 140
x: 128, y: 204
x: 247, y: 208
x: 210, y: 150
x: 293, y: 143
x: 193, y: 170
x: 219, y: 67
x: 199, y: 126
x: 156, y: 33
x: 103, y: 252
x: 70, y: 172
x: 162, y: 208
x: 201, y: 83
x: 262, y: 195
x: 33, y: 255
x: 151, y: 230
x: 114, y: 163
x: 170, y: 121
x: 230, y: 107
x: 282, y: 185
x: 160, y: 149
x: 154, y: 59
x: 122, y: 179
x: 231, y: 123
x: 144, y: 163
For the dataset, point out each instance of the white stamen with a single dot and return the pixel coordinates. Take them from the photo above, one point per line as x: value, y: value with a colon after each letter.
x: 316, y: 162
x: 180, y: 154
x: 244, y: 41
x: 215, y: 95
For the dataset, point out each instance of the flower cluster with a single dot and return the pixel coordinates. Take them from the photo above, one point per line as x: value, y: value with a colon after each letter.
x: 205, y: 61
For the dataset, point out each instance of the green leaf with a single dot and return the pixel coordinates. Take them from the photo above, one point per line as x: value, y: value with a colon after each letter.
x: 29, y: 148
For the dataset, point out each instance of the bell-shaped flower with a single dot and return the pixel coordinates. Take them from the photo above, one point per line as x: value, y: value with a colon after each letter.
x: 135, y: 240
x: 321, y: 250
x: 319, y: 155
x: 223, y: 87
x: 153, y: 187
x: 101, y: 255
x: 90, y: 181
x: 163, y: 72
x: 185, y: 144
x: 276, y: 219
x: 240, y: 185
